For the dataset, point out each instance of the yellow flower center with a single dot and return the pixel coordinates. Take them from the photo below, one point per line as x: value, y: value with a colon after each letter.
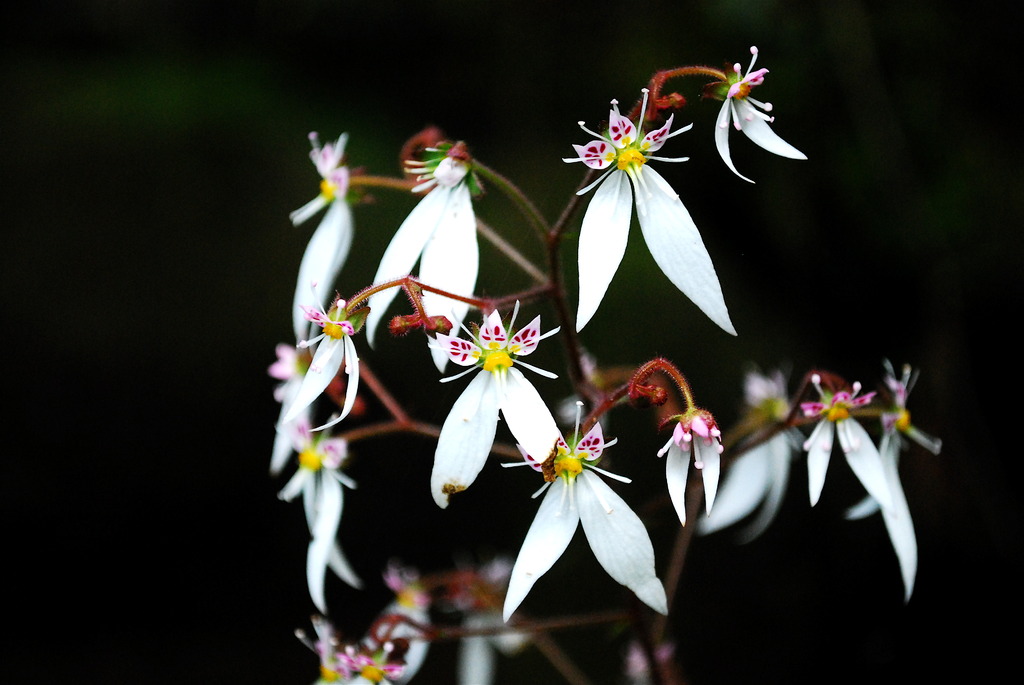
x: 568, y: 467
x: 328, y: 675
x: 630, y: 157
x: 333, y: 330
x: 327, y: 189
x: 310, y: 459
x: 498, y: 360
x: 372, y: 673
x: 837, y: 413
x: 903, y: 422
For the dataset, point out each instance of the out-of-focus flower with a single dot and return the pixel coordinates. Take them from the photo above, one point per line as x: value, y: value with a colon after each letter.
x: 333, y: 668
x: 860, y: 452
x: 575, y: 494
x: 440, y: 232
x: 290, y: 367
x: 671, y: 235
x: 468, y: 432
x: 328, y: 247
x: 706, y: 451
x: 638, y: 669
x: 757, y: 479
x: 747, y: 115
x: 319, y: 479
x: 334, y: 347
x: 898, y: 523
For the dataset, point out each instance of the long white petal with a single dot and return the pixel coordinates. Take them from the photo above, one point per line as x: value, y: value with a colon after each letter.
x: 866, y: 464
x: 676, y: 246
x: 528, y: 417
x: 330, y: 354
x: 339, y: 563
x: 746, y: 482
x: 351, y: 384
x: 328, y: 516
x: 677, y: 466
x: 758, y: 130
x: 819, y: 449
x: 476, y: 655
x: 466, y: 438
x: 549, y: 535
x: 603, y: 237
x: 324, y: 256
x: 781, y: 459
x: 722, y: 137
x: 710, y: 473
x: 619, y: 540
x: 897, y: 517
x: 451, y: 261
x: 403, y: 251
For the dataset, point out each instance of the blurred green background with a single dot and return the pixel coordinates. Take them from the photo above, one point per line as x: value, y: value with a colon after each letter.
x: 151, y: 154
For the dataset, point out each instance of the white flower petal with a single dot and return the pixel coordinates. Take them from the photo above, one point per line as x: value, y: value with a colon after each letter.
x: 330, y: 354
x: 476, y: 655
x: 862, y: 509
x: 676, y: 246
x: 758, y: 130
x: 328, y: 516
x: 403, y: 251
x: 780, y: 461
x: 451, y: 261
x: 677, y: 466
x: 339, y: 563
x: 619, y: 540
x: 744, y: 487
x: 710, y: 472
x: 528, y: 417
x: 819, y: 449
x: 603, y: 237
x: 306, y: 211
x: 324, y: 256
x: 466, y: 438
x: 866, y: 463
x: 549, y: 535
x: 897, y: 517
x: 722, y: 127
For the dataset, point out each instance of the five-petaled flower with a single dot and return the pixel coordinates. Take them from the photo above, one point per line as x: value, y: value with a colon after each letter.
x: 440, y: 232
x: 319, y: 479
x: 747, y: 114
x: 576, y: 494
x: 329, y: 245
x: 861, y: 454
x: 671, y: 235
x: 468, y: 432
x: 334, y: 347
x: 706, y: 451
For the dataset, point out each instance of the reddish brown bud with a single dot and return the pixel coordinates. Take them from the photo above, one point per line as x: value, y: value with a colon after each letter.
x: 403, y: 325
x: 643, y: 396
x: 439, y: 324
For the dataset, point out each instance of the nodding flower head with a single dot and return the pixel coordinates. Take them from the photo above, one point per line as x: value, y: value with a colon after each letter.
x: 444, y: 166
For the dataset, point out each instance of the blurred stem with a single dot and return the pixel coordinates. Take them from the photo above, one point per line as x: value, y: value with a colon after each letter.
x: 511, y: 191
x: 512, y: 253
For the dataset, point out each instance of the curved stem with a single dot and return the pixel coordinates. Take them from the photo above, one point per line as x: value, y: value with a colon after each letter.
x: 511, y: 191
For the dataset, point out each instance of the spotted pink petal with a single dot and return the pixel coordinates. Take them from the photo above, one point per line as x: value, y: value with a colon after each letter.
x: 458, y: 350
x: 655, y: 139
x: 525, y: 341
x: 598, y: 154
x: 492, y: 333
x: 592, y: 444
x: 619, y: 129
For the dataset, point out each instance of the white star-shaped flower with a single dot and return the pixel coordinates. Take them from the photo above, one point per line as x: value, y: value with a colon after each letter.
x: 706, y: 450
x: 670, y: 233
x: 750, y: 116
x: 468, y: 432
x: 576, y: 494
x: 440, y: 233
x: 319, y: 479
x: 329, y: 245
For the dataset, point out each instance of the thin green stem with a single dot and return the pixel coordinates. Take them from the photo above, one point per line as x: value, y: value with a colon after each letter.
x: 511, y: 191
x: 511, y: 252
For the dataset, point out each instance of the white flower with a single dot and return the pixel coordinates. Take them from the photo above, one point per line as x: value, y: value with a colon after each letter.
x: 319, y: 480
x: 333, y: 667
x: 290, y: 367
x: 670, y: 233
x: 749, y: 115
x: 480, y: 601
x: 861, y: 453
x: 413, y: 602
x: 575, y: 494
x: 328, y: 247
x: 334, y: 347
x: 440, y: 232
x: 895, y: 424
x: 757, y: 479
x: 707, y: 451
x: 468, y: 432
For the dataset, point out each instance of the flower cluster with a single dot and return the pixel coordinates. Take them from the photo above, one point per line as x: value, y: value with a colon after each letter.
x: 433, y: 259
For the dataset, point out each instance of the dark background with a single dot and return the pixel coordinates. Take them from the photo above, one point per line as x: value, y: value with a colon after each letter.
x: 151, y: 154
